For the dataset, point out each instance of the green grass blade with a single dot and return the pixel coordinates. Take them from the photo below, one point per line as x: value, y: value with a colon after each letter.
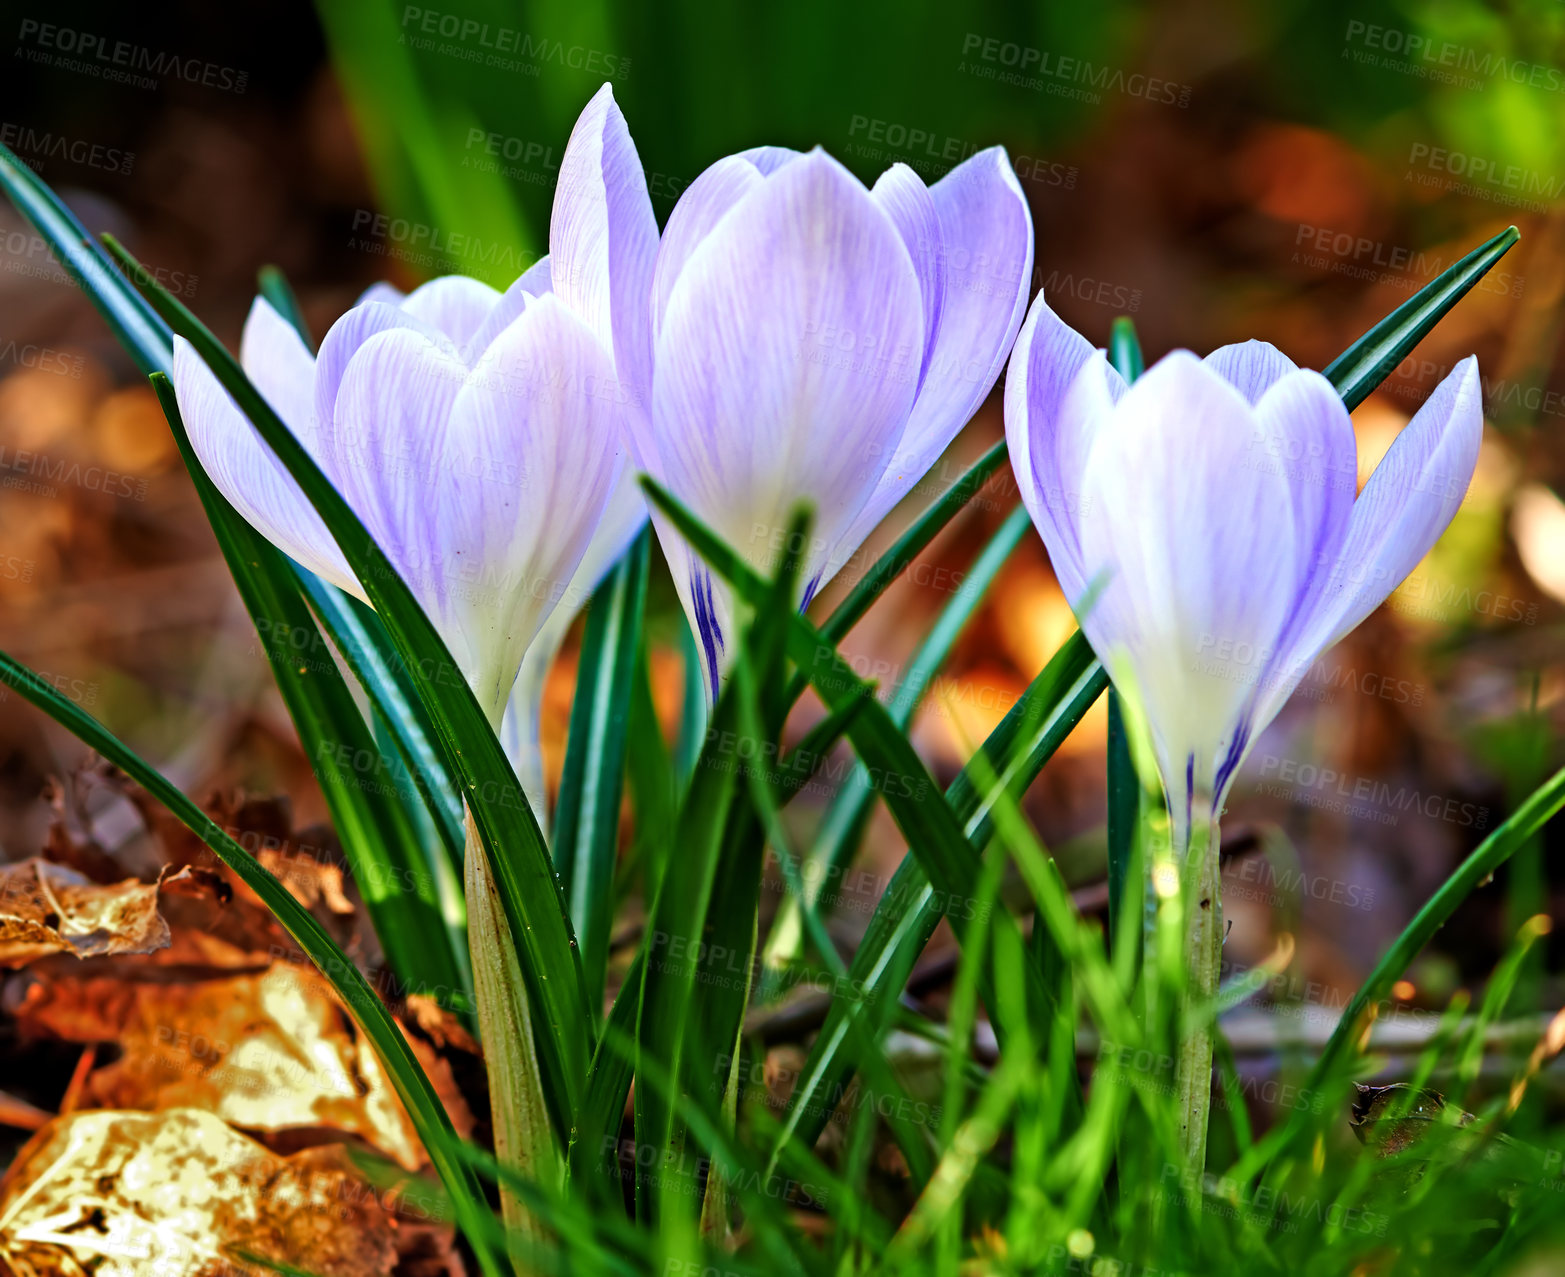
x: 586, y: 817
x: 1541, y: 807
x: 845, y: 819
x: 931, y: 828
x: 902, y: 552
x: 1371, y: 359
x: 908, y: 912
x: 381, y: 844
x: 412, y: 1086
x: 145, y: 337
x: 705, y: 904
x: 603, y: 1104
x: 649, y: 769
x: 362, y: 640
x: 1124, y: 789
x: 518, y: 856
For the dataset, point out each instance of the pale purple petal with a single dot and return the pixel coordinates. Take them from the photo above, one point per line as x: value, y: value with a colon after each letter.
x: 454, y: 304
x: 1407, y: 503
x: 1251, y: 367
x: 786, y: 366
x: 623, y: 517
x: 1048, y: 447
x: 1303, y: 433
x: 280, y: 366
x: 383, y: 293
x: 768, y: 159
x: 910, y: 206
x: 987, y: 245
x: 1197, y: 552
x: 388, y: 447
x: 515, y: 541
x: 245, y: 471
x: 537, y: 279
x: 603, y: 240
x: 704, y: 203
x: 343, y: 340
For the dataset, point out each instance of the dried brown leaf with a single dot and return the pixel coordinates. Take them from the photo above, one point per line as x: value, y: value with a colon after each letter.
x: 47, y: 908
x: 124, y: 1194
x: 270, y: 1052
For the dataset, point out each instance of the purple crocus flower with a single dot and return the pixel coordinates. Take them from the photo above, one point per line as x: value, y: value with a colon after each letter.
x: 1203, y: 524
x: 479, y: 436
x: 813, y: 338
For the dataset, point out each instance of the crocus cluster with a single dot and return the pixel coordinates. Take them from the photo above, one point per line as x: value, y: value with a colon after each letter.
x: 795, y: 335
x: 792, y: 336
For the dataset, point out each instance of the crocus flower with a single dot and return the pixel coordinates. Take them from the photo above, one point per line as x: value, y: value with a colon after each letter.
x: 1203, y: 523
x: 477, y: 435
x: 815, y: 339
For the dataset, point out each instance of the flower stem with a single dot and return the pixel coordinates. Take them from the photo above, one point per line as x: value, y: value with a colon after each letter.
x: 1203, y: 958
x: 523, y: 1138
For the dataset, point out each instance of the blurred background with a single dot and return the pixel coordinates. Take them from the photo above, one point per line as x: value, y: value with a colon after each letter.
x: 1217, y: 170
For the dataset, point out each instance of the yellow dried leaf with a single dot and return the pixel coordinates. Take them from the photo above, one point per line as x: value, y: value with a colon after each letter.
x: 126, y: 1194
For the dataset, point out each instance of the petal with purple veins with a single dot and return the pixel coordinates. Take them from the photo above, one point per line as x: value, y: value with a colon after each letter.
x: 245, y: 471
x: 454, y: 304
x: 786, y: 366
x: 987, y: 248
x: 1048, y: 446
x: 603, y: 239
x: 1251, y: 367
x: 1408, y: 502
x: 702, y: 206
x: 910, y: 206
x: 1197, y: 552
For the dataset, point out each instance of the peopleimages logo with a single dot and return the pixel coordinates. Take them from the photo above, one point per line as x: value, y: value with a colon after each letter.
x: 34, y: 146
x: 119, y: 61
x: 487, y: 45
x: 1425, y: 51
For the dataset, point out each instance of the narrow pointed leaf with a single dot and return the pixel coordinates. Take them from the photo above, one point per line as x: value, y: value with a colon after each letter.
x: 848, y: 814
x: 382, y: 846
x: 518, y: 855
x: 1123, y: 787
x: 586, y: 817
x: 145, y: 337
x: 908, y: 912
x: 927, y: 822
x: 1371, y: 359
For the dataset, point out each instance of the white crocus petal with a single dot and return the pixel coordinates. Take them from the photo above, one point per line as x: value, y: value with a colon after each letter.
x: 483, y: 487
x: 1250, y: 367
x: 704, y: 203
x: 768, y: 159
x: 603, y: 240
x: 383, y: 293
x: 1408, y: 502
x: 388, y: 449
x: 521, y: 731
x: 533, y: 283
x: 280, y: 366
x: 1304, y: 434
x: 454, y: 304
x: 1048, y: 445
x: 986, y: 242
x: 786, y: 366
x: 531, y: 398
x: 343, y: 341
x: 245, y: 471
x: 1190, y: 577
x: 910, y: 206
